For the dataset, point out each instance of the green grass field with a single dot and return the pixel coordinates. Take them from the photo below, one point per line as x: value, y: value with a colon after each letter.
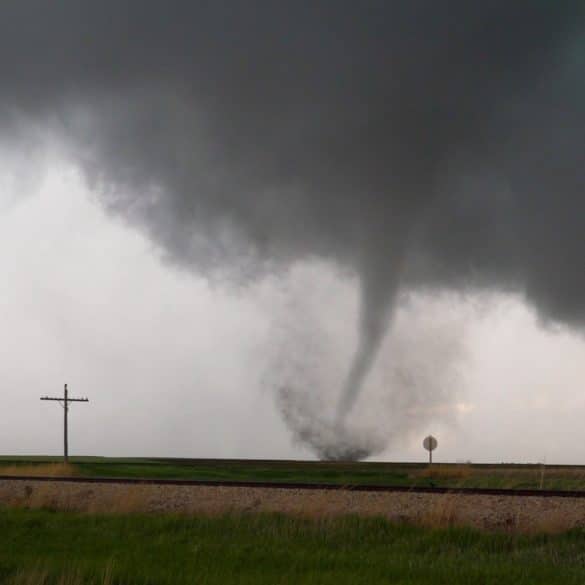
x: 43, y: 547
x: 399, y: 474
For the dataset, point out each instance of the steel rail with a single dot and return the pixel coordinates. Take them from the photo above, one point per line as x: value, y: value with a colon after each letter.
x: 303, y: 486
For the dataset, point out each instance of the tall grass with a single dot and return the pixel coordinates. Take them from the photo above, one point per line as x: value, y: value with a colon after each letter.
x: 403, y: 474
x: 71, y: 576
x: 443, y: 471
x: 39, y: 470
x: 50, y: 548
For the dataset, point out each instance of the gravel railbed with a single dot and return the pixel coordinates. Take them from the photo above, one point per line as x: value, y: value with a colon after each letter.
x: 482, y: 511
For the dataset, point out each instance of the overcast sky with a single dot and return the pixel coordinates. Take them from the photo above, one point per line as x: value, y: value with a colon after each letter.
x: 174, y: 367
x: 301, y: 228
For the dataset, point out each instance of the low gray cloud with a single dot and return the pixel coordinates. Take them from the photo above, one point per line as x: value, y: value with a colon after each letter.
x: 416, y: 144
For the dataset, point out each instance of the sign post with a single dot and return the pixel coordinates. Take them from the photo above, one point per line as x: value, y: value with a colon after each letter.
x: 430, y: 444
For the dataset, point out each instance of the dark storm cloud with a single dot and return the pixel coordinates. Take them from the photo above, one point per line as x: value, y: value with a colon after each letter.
x: 419, y: 143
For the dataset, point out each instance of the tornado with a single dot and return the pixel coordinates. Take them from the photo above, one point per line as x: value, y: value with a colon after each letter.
x: 413, y: 145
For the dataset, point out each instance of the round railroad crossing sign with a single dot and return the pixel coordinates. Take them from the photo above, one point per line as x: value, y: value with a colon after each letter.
x: 430, y: 443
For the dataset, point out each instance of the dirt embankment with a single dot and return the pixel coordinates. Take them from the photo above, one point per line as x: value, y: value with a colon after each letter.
x: 533, y: 513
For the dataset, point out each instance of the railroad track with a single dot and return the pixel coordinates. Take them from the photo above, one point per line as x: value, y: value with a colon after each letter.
x: 304, y: 486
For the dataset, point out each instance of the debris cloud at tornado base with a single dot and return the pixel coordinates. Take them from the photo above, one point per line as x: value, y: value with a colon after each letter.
x: 417, y: 145
x: 419, y: 378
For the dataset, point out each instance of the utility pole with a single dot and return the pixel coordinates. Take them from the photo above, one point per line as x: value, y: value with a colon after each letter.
x: 64, y: 402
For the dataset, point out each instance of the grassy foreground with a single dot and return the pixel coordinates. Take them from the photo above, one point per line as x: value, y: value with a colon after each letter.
x: 399, y: 474
x: 44, y: 547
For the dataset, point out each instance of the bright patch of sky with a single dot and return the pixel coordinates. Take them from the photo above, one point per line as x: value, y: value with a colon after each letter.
x: 175, y: 367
